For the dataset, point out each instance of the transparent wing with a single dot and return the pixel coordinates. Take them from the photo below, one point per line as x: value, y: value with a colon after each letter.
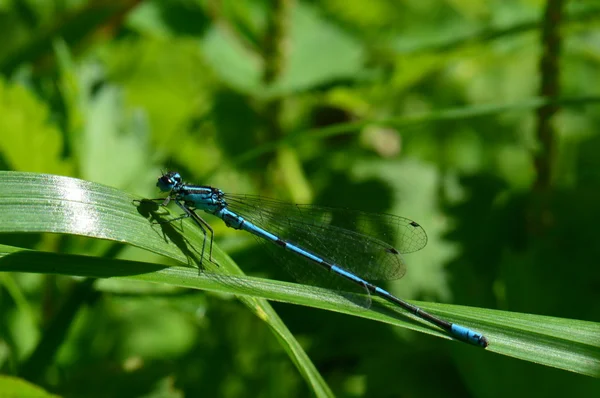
x: 307, y: 272
x: 366, y: 244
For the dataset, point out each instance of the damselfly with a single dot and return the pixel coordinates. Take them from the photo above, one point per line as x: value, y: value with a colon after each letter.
x: 318, y: 245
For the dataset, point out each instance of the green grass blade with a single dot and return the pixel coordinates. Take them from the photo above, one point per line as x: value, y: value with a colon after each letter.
x: 562, y: 343
x: 32, y: 202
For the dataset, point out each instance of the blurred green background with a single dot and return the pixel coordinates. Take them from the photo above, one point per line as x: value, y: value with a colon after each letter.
x: 475, y: 118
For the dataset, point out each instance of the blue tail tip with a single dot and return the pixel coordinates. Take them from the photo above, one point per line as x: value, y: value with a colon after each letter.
x: 481, y: 341
x: 470, y: 336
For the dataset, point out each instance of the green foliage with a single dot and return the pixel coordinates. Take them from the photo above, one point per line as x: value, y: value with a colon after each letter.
x: 424, y: 109
x: 14, y: 387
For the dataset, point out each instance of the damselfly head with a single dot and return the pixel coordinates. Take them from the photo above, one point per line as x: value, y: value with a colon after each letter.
x: 168, y: 181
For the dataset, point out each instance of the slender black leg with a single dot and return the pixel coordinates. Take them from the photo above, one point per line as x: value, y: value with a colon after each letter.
x: 203, y: 225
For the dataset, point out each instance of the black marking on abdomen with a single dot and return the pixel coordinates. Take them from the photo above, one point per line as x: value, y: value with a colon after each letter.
x: 281, y: 243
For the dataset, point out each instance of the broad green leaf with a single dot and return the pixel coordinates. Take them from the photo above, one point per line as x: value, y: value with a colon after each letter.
x: 339, y: 56
x: 29, y: 140
x: 14, y: 387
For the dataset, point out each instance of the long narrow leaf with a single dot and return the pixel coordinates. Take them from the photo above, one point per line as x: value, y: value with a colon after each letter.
x: 27, y: 199
x: 46, y: 203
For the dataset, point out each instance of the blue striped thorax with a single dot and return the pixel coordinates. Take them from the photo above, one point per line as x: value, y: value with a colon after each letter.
x: 199, y: 197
